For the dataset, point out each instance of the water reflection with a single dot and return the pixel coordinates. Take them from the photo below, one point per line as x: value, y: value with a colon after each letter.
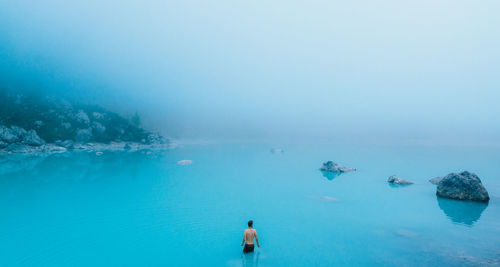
x: 393, y: 185
x: 82, y: 165
x: 330, y: 175
x: 18, y: 162
x: 462, y: 212
x: 250, y: 259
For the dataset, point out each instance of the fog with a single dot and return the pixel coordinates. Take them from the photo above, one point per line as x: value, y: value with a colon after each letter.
x: 300, y: 71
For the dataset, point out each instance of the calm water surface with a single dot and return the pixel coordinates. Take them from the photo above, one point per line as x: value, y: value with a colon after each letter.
x: 140, y: 209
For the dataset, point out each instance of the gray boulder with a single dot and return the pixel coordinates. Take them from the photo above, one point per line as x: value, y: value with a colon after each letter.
x: 32, y: 139
x: 8, y: 135
x: 66, y: 144
x: 331, y: 166
x: 398, y: 180
x: 50, y: 148
x: 462, y: 186
x: 18, y: 131
x: 19, y: 136
x: 436, y: 180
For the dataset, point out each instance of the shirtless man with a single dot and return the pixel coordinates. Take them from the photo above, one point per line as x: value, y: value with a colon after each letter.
x: 248, y: 237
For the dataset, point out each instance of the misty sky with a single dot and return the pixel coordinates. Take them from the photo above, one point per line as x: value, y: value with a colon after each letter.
x: 309, y: 70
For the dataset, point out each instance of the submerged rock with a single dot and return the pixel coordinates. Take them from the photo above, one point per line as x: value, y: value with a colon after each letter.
x: 331, y: 166
x: 435, y: 180
x: 406, y: 233
x: 398, y: 180
x: 185, y: 162
x: 462, y: 186
x: 328, y: 198
x: 277, y: 150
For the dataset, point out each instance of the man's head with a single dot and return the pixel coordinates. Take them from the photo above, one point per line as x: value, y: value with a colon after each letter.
x: 250, y: 223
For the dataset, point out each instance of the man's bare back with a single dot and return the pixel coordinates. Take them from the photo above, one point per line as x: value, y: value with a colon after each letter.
x: 248, y: 236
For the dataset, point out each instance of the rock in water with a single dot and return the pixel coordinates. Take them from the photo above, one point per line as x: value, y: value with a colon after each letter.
x: 435, y: 180
x: 406, y: 233
x: 276, y: 150
x: 331, y: 166
x: 462, y: 186
x: 329, y: 199
x: 185, y: 162
x: 398, y: 180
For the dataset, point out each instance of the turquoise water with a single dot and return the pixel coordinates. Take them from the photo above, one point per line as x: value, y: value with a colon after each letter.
x: 140, y: 209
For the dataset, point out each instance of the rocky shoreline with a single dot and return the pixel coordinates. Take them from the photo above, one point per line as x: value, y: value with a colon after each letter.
x: 15, y: 139
x: 49, y: 124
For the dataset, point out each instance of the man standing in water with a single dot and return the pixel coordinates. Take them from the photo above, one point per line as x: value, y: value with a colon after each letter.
x: 248, y: 237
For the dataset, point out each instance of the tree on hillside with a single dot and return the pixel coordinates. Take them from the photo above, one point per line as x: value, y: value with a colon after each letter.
x: 136, y: 120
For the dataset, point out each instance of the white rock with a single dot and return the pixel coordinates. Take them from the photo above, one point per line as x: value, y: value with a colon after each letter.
x: 277, y: 150
x: 185, y: 162
x: 329, y: 199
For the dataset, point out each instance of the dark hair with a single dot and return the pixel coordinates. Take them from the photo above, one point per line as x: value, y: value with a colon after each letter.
x: 250, y: 223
